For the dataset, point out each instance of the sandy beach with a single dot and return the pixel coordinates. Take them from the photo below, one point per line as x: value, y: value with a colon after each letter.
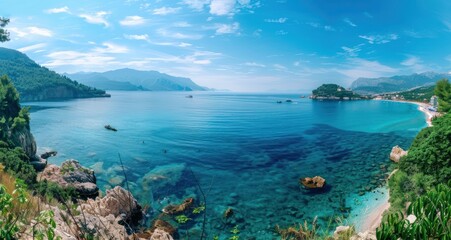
x: 372, y: 215
x: 423, y: 107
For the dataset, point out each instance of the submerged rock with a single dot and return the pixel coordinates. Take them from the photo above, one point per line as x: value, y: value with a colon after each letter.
x: 312, y: 183
x: 162, y: 177
x: 176, y: 209
x: 397, y: 153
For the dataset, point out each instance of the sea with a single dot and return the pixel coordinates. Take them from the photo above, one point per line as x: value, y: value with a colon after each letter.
x: 245, y: 152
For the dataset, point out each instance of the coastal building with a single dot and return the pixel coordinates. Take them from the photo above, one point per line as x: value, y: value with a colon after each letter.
x: 434, y: 101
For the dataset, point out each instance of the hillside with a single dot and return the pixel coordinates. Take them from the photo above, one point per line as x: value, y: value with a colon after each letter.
x: 132, y: 80
x: 396, y: 83
x: 334, y: 92
x: 421, y: 94
x: 36, y: 83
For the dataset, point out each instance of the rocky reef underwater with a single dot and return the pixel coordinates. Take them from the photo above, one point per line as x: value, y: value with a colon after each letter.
x: 248, y: 195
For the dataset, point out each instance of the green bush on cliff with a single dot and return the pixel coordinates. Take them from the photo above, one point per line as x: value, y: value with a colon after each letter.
x: 427, y: 164
x: 16, y: 163
x: 443, y: 92
x: 430, y: 152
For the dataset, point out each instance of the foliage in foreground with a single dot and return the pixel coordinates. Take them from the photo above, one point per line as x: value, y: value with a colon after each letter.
x: 432, y: 218
x: 19, y: 209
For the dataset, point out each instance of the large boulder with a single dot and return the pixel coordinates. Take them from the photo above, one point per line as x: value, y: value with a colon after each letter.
x: 397, y: 153
x: 72, y: 174
x: 117, y: 202
x: 102, y: 218
x: 312, y: 183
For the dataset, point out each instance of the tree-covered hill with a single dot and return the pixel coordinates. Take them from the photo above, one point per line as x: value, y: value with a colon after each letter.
x: 334, y: 92
x: 36, y: 83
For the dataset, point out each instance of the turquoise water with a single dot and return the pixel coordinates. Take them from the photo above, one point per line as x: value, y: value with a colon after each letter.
x: 247, y: 152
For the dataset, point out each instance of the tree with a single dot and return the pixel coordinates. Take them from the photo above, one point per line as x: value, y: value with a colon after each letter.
x: 443, y: 92
x: 4, y: 35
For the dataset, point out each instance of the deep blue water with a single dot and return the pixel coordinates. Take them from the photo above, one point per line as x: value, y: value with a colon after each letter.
x: 247, y: 151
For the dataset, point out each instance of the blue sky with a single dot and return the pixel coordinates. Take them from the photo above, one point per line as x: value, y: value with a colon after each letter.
x: 240, y: 45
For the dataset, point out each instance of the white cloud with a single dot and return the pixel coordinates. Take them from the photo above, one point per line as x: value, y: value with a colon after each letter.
x: 144, y: 37
x: 368, y: 15
x: 227, y: 28
x: 165, y: 10
x: 414, y: 63
x: 257, y: 33
x: 132, y: 21
x: 73, y: 58
x: 64, y: 9
x: 40, y: 31
x: 197, y: 5
x: 281, y: 32
x: 222, y: 7
x: 358, y: 67
x: 346, y: 20
x: 278, y: 20
x: 32, y: 47
x: 318, y: 25
x: 165, y: 33
x: 351, y: 51
x: 447, y: 25
x: 184, y: 44
x: 254, y: 64
x: 96, y: 18
x: 182, y: 24
x: 329, y: 28
x: 379, y: 39
x: 279, y: 67
x: 111, y: 48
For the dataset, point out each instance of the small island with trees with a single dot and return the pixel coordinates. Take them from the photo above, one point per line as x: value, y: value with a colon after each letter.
x: 334, y: 92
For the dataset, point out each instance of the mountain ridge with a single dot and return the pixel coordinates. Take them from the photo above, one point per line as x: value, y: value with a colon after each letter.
x: 133, y: 80
x: 396, y: 83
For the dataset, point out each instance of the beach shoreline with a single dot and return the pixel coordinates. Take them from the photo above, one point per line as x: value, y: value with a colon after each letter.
x: 372, y: 218
x: 422, y: 107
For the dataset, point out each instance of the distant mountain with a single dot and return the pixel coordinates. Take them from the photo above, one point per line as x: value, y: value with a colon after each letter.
x: 396, y: 83
x: 132, y: 80
x: 333, y: 92
x: 36, y: 83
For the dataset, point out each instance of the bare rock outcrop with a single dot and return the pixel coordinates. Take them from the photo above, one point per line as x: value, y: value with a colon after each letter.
x: 72, y: 174
x: 397, y: 153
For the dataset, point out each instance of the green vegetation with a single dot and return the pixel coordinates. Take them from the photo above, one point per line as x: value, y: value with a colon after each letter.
x: 421, y: 94
x: 443, y: 92
x: 427, y: 164
x: 334, y: 92
x: 4, y: 35
x: 396, y: 83
x: 182, y: 219
x: 199, y: 209
x: 19, y: 209
x: 430, y: 218
x: 423, y: 181
x: 39, y: 83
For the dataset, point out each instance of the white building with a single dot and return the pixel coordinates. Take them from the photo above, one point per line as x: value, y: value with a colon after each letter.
x: 434, y: 101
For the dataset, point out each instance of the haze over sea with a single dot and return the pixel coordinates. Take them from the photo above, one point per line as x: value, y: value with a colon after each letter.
x: 247, y: 149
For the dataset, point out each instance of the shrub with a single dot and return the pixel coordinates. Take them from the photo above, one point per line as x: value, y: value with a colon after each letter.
x: 430, y: 214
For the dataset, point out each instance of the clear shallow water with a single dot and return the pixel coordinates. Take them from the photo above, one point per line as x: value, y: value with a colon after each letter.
x: 249, y: 149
